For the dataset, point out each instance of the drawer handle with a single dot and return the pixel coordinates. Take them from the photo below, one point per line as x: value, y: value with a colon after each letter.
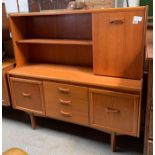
x: 65, y: 102
x: 26, y: 95
x: 116, y: 21
x: 67, y: 114
x: 111, y: 110
x: 64, y: 90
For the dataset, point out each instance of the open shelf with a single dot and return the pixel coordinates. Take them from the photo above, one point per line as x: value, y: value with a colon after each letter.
x: 55, y: 41
x: 76, y: 75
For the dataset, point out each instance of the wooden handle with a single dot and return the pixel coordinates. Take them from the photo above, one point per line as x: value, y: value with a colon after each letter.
x: 116, y: 21
x: 26, y: 95
x: 112, y: 110
x: 67, y: 114
x: 64, y: 90
x: 65, y: 102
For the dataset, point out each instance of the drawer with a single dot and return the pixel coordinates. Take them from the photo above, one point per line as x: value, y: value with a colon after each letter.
x: 150, y: 148
x: 151, y: 125
x: 27, y: 95
x: 65, y: 91
x: 113, y: 111
x: 71, y: 110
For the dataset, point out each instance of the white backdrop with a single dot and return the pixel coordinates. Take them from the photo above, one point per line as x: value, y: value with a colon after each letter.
x: 11, y: 5
x: 122, y: 3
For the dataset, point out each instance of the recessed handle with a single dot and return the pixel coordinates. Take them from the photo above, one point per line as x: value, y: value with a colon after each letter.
x: 116, y: 21
x: 112, y: 110
x: 64, y: 90
x: 67, y: 114
x: 65, y: 102
x: 26, y: 94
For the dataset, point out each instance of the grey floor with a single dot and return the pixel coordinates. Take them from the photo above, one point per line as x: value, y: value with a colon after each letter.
x: 58, y: 138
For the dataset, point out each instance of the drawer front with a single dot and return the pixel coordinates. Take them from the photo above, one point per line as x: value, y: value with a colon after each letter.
x: 76, y: 111
x: 68, y: 106
x: 151, y: 125
x: 117, y: 112
x: 65, y: 91
x: 27, y: 95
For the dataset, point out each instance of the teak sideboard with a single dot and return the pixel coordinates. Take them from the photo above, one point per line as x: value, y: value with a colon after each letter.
x: 81, y: 66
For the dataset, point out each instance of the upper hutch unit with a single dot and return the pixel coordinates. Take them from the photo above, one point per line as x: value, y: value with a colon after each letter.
x: 81, y: 66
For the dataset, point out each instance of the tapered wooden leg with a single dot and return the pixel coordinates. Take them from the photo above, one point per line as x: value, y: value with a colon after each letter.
x: 113, y: 142
x: 33, y: 121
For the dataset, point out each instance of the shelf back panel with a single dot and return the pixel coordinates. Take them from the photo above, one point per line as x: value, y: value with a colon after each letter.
x: 61, y: 54
x: 72, y: 26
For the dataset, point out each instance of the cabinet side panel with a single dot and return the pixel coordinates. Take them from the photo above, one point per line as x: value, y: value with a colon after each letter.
x: 17, y: 27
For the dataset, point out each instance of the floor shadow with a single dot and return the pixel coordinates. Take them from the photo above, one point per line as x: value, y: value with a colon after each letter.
x: 124, y: 143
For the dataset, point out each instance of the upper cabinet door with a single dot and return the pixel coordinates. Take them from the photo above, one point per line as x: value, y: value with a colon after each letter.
x: 118, y: 43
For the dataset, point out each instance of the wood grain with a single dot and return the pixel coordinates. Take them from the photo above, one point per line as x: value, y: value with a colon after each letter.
x: 150, y: 147
x: 58, y: 52
x: 76, y: 75
x: 70, y: 54
x: 6, y: 66
x: 21, y: 54
x: 27, y: 95
x: 77, y: 113
x: 120, y: 46
x: 113, y: 111
x: 66, y: 91
x: 71, y: 26
x: 55, y: 41
x: 148, y: 150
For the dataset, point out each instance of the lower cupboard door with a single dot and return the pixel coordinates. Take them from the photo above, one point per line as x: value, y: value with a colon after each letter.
x: 114, y: 111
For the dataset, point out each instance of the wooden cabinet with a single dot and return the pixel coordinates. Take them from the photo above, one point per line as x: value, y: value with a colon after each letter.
x: 27, y: 95
x: 150, y: 147
x: 5, y: 93
x: 148, y: 142
x: 114, y: 111
x: 66, y: 102
x: 151, y: 125
x: 118, y: 43
x: 57, y: 54
x: 6, y: 66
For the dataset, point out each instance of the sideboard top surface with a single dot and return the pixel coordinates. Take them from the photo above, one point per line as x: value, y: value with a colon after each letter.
x: 75, y: 74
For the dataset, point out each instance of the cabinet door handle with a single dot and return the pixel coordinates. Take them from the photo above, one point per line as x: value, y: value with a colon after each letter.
x: 64, y: 90
x: 112, y: 110
x: 116, y: 21
x: 67, y: 114
x: 65, y: 102
x: 26, y: 95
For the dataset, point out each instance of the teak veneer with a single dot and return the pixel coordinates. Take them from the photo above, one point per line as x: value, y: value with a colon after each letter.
x: 7, y: 65
x: 82, y: 66
x: 54, y: 41
x: 77, y: 75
